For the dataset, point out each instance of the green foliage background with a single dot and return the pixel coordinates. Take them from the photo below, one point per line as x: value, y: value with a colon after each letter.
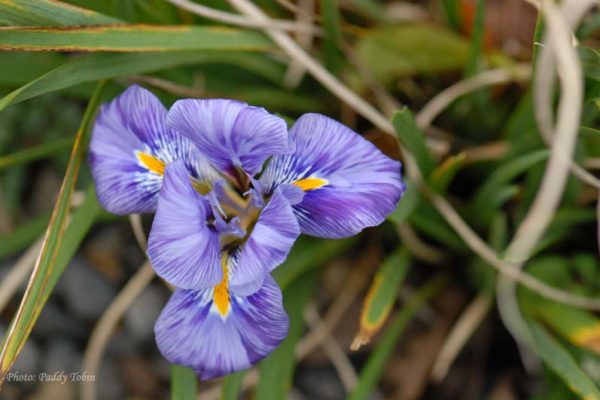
x: 86, y: 56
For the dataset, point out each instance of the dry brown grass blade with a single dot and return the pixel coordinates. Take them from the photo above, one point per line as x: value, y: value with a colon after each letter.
x: 304, y: 15
x: 106, y: 325
x: 462, y: 330
x: 446, y: 97
x: 339, y: 359
x: 237, y: 20
x: 18, y: 274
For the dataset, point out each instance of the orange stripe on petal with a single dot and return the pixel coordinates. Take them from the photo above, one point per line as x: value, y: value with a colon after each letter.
x: 152, y: 163
x: 307, y: 184
x: 221, y: 291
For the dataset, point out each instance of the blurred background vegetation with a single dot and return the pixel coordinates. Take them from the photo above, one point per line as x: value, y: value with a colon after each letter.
x: 413, y: 309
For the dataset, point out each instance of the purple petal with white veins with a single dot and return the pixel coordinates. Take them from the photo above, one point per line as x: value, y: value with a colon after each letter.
x: 230, y: 133
x: 193, y: 331
x: 129, y: 148
x: 348, y: 183
x: 293, y: 193
x: 269, y: 243
x: 182, y: 248
x: 247, y: 289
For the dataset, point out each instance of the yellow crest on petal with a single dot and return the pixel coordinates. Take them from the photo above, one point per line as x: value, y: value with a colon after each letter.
x: 152, y: 163
x: 221, y: 291
x: 307, y: 184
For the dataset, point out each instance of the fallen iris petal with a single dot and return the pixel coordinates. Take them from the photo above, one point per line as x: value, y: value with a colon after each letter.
x: 183, y: 249
x: 230, y: 133
x: 129, y: 149
x: 348, y: 183
x: 216, y: 340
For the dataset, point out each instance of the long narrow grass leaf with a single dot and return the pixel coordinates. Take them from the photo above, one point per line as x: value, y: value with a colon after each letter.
x: 276, y: 371
x: 232, y: 386
x: 131, y: 38
x: 372, y: 8
x: 33, y: 299
x: 106, y: 66
x: 81, y: 222
x: 34, y: 153
x: 333, y: 27
x: 442, y: 176
x: 309, y: 254
x: 49, y: 13
x: 426, y: 219
x: 477, y: 36
x: 452, y: 10
x: 408, y: 205
x: 562, y: 363
x: 580, y: 327
x: 373, y: 369
x: 184, y: 383
x: 382, y: 294
x: 23, y: 236
x: 20, y: 68
x: 413, y: 139
x: 486, y: 197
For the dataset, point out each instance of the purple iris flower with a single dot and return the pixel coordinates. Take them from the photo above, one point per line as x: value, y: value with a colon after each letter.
x: 223, y: 219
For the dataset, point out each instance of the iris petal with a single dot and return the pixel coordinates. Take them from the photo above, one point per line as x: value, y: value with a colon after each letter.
x: 348, y: 183
x: 191, y: 330
x: 230, y: 133
x: 268, y: 244
x: 129, y: 148
x: 182, y: 248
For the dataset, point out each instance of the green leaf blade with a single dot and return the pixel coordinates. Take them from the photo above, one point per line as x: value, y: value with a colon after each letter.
x: 562, y: 363
x: 232, y: 386
x: 276, y: 371
x: 44, y: 273
x: 23, y: 236
x: 398, y: 51
x: 33, y: 154
x: 49, y: 13
x: 131, y: 38
x: 108, y: 66
x: 308, y: 254
x: 408, y: 205
x: 373, y: 369
x: 184, y: 383
x: 413, y: 139
x: 382, y: 294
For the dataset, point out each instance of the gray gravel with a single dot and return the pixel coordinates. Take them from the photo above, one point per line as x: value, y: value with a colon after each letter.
x: 62, y: 355
x: 86, y: 292
x: 141, y: 316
